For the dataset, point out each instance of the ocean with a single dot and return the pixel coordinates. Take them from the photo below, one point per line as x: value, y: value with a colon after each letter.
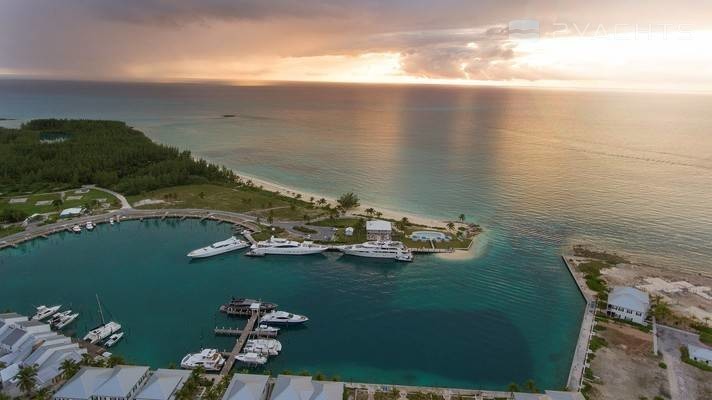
x: 540, y: 170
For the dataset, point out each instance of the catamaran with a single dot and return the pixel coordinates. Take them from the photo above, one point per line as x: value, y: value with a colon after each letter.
x: 266, y: 347
x: 388, y: 249
x: 209, y: 359
x: 221, y: 247
x: 44, y: 312
x: 113, y: 339
x: 283, y: 318
x: 285, y: 247
x: 102, y: 331
x: 62, y: 319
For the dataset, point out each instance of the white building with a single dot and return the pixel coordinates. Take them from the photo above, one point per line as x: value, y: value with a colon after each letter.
x: 378, y: 230
x: 349, y: 231
x: 549, y: 395
x: 628, y: 303
x: 247, y: 387
x: 700, y: 354
x: 71, y: 212
x: 163, y: 384
x: 119, y: 383
x: 290, y: 387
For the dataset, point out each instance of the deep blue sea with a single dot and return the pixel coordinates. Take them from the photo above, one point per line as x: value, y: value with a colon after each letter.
x: 540, y: 170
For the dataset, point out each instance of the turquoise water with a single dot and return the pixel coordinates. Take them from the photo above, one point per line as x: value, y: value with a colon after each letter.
x: 431, y: 322
x: 540, y: 170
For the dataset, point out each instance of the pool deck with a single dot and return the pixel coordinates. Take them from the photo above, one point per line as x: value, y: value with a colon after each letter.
x: 579, y: 362
x: 42, y: 231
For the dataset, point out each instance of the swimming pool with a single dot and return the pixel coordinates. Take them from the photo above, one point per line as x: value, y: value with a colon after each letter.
x: 429, y: 235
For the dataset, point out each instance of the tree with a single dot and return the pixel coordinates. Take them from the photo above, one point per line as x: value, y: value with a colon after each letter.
x: 298, y: 196
x: 115, y: 360
x: 450, y: 226
x: 403, y: 223
x: 321, y: 201
x: 307, y: 218
x: 379, y: 214
x: 27, y: 379
x: 370, y: 211
x: 201, y: 195
x: 270, y: 217
x: 43, y: 394
x: 69, y: 368
x: 348, y: 201
x: 512, y: 387
x: 462, y: 217
x: 531, y: 386
x: 86, y: 359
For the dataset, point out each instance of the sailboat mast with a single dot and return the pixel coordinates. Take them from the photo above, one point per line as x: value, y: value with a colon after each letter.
x: 101, y: 313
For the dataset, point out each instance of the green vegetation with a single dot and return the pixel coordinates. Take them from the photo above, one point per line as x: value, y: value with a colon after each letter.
x: 266, y: 232
x: 705, y: 333
x: 592, y: 274
x: 10, y: 230
x: 338, y: 222
x: 685, y: 357
x: 662, y: 365
x: 596, y: 343
x: 304, y: 229
x: 107, y: 153
x: 27, y: 379
x: 88, y: 200
x: 348, y: 201
x: 613, y: 259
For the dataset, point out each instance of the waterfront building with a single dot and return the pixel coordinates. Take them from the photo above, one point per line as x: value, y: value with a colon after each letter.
x: 289, y: 387
x: 549, y: 395
x: 163, y: 384
x: 629, y: 304
x: 349, y: 231
x: 71, y: 212
x: 18, y: 333
x: 119, y: 383
x: 247, y: 387
x: 378, y: 230
x: 9, y: 319
x: 700, y: 354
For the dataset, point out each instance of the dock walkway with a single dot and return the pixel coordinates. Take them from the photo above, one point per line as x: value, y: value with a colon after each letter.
x: 578, y: 364
x: 222, y: 331
x: 240, y: 343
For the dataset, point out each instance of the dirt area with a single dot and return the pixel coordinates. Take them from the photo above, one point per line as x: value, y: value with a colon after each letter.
x: 686, y: 292
x: 626, y: 368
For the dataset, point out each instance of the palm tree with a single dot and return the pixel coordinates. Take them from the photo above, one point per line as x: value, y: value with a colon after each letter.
x: 43, y: 394
x: 403, y: 223
x: 270, y: 217
x: 370, y: 211
x: 201, y: 195
x: 512, y: 387
x: 379, y: 214
x: 321, y: 201
x: 3, y: 396
x: 348, y: 201
x: 462, y: 217
x: 86, y: 359
x: 115, y: 360
x: 27, y: 379
x: 450, y: 226
x: 69, y: 368
x: 531, y: 386
x: 307, y: 218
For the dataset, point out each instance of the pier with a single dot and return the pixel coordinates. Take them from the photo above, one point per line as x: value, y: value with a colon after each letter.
x: 240, y: 343
x: 578, y: 364
x: 222, y: 331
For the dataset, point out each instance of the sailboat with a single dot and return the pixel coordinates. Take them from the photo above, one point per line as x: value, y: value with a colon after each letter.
x: 102, y: 331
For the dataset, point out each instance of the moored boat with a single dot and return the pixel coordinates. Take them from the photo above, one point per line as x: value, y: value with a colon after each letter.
x: 242, y: 306
x: 89, y: 226
x: 77, y: 229
x: 282, y: 318
x: 285, y: 247
x: 209, y: 359
x: 251, y: 358
x: 221, y: 247
x: 113, y: 339
x: 45, y: 312
x: 379, y: 249
x: 102, y: 332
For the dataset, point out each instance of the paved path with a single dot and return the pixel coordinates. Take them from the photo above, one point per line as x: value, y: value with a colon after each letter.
x: 125, y: 205
x: 240, y: 343
x: 325, y: 233
x: 682, y: 386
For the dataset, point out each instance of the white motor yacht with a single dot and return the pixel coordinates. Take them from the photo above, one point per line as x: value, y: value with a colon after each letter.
x: 285, y: 247
x: 388, y: 249
x: 113, y: 339
x: 221, y: 247
x: 267, y: 329
x: 60, y: 320
x: 102, y: 332
x: 251, y: 358
x: 209, y: 359
x: 44, y: 312
x: 77, y: 229
x: 283, y: 318
x: 267, y: 347
x: 89, y: 225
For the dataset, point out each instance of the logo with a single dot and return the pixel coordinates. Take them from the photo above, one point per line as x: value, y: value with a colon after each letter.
x: 524, y: 29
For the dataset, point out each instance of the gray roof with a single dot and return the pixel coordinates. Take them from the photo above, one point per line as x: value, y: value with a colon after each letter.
x: 558, y: 395
x: 10, y: 315
x: 630, y: 298
x: 163, y: 384
x: 84, y: 383
x: 289, y: 387
x: 40, y: 355
x: 30, y: 323
x: 52, y: 367
x: 13, y: 336
x: 328, y: 390
x: 246, y: 387
x: 528, y: 396
x: 122, y: 379
x: 699, y: 352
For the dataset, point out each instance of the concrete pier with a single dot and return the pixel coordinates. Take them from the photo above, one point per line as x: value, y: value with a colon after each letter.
x: 240, y: 343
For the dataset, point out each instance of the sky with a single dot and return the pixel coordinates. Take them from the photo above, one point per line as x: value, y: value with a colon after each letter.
x: 622, y: 44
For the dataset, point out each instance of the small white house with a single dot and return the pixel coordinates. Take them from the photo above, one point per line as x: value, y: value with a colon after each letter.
x: 71, y: 212
x: 629, y: 304
x: 700, y: 354
x: 378, y: 230
x: 349, y: 231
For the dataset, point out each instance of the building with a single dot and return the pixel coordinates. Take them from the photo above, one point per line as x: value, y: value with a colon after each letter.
x: 378, y: 230
x: 119, y: 383
x: 629, y: 304
x: 349, y: 231
x: 163, y: 384
x: 289, y: 387
x: 700, y: 354
x: 71, y: 212
x: 247, y: 387
x: 549, y: 395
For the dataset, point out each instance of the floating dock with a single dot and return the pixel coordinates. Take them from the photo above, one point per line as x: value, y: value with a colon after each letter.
x: 222, y: 331
x: 240, y: 343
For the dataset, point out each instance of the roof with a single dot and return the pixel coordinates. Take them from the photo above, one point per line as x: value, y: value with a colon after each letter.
x: 328, y: 390
x: 246, y: 387
x: 122, y: 379
x: 84, y: 383
x: 31, y: 323
x: 71, y: 211
x: 699, y: 352
x: 528, y: 396
x: 9, y: 315
x: 558, y: 395
x: 630, y: 298
x: 163, y: 384
x: 52, y: 367
x: 289, y: 387
x: 378, y: 225
x: 13, y: 336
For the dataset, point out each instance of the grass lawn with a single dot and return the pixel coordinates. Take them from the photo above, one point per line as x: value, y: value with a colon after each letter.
x: 337, y: 222
x: 30, y: 206
x: 10, y: 230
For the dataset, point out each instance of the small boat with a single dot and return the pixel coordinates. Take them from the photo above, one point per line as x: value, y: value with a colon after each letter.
x: 251, y: 358
x: 283, y: 318
x: 209, y: 359
x: 77, y: 229
x: 113, y: 339
x: 89, y: 225
x: 111, y: 221
x: 404, y: 257
x: 267, y: 329
x: 65, y: 320
x: 45, y: 312
x: 102, y: 332
x: 285, y: 247
x: 221, y: 247
x: 267, y: 347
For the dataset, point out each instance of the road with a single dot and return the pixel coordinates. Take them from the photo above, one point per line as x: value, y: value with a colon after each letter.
x: 324, y: 233
x: 125, y: 205
x: 682, y: 386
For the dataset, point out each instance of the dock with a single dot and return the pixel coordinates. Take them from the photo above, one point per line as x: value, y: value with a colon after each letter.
x: 222, y: 331
x: 240, y: 343
x: 579, y: 362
